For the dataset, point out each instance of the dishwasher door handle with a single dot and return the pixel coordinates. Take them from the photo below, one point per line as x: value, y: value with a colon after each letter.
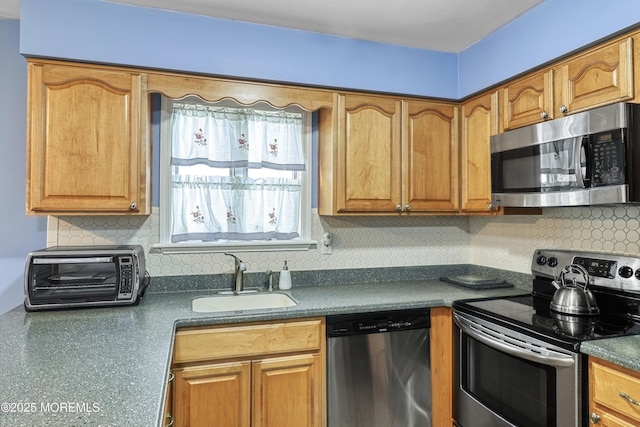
x: 502, y: 343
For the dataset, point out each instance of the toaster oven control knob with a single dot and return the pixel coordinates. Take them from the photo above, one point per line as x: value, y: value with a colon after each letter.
x: 595, y: 418
x: 638, y: 274
x: 564, y: 109
x: 541, y: 260
x: 552, y: 262
x: 625, y: 272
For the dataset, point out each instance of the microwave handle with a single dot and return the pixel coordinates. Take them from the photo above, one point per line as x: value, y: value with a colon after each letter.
x: 83, y: 260
x: 577, y: 158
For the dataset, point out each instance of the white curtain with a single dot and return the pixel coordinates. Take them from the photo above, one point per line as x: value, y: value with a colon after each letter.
x: 209, y: 207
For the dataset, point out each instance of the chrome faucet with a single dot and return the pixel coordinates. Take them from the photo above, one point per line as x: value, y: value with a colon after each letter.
x: 240, y: 267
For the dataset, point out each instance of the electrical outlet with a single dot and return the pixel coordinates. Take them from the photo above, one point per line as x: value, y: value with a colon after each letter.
x: 327, y: 249
x: 327, y: 243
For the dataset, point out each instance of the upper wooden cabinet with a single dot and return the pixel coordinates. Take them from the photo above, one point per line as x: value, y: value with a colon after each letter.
x: 599, y: 76
x: 383, y: 155
x: 87, y: 140
x: 430, y: 157
x: 528, y: 100
x: 479, y: 122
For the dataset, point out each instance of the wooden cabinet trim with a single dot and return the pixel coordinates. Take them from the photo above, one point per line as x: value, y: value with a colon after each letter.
x: 192, y: 345
x: 211, y: 89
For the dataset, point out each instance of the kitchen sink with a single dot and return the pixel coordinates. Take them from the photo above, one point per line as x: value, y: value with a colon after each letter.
x: 259, y: 301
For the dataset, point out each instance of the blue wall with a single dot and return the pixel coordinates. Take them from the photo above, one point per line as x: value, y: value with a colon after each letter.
x: 546, y: 32
x: 100, y: 31
x: 94, y: 30
x: 19, y: 234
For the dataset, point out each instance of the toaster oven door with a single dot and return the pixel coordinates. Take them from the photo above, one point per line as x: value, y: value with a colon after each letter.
x: 72, y: 280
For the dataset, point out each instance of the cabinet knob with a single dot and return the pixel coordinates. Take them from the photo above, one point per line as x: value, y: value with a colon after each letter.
x: 491, y: 207
x: 564, y: 109
x: 407, y: 207
x: 168, y: 420
x: 133, y: 206
x: 594, y: 418
x: 544, y: 115
x: 399, y: 207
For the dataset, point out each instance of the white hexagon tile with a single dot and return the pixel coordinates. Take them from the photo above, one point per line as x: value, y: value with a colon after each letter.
x: 508, y: 242
x: 499, y: 242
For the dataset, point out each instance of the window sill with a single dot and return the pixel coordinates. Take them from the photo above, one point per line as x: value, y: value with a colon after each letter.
x: 203, y: 247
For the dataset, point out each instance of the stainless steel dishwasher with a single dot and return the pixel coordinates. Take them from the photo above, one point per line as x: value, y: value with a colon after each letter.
x: 379, y: 370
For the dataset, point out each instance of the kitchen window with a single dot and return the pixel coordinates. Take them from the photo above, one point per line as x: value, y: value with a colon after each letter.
x: 234, y: 177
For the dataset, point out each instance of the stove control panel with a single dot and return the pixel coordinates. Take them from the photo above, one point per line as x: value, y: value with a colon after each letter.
x: 605, y: 269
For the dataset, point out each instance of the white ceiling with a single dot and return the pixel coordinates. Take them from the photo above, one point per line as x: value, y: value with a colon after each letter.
x: 444, y: 25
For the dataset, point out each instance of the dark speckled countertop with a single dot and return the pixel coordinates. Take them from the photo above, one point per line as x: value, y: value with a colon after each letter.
x: 109, y: 366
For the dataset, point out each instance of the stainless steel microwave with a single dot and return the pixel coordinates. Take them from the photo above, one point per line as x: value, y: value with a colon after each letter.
x: 588, y: 158
x: 84, y: 276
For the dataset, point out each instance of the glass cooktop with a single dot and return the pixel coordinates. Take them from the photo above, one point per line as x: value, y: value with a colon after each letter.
x: 533, y: 317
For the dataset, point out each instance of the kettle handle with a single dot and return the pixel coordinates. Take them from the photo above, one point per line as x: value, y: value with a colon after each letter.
x: 573, y: 268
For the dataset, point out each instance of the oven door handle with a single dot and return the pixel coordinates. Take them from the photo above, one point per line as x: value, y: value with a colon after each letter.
x: 498, y: 342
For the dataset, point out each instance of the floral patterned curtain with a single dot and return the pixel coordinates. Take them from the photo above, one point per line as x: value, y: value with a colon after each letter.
x: 212, y: 207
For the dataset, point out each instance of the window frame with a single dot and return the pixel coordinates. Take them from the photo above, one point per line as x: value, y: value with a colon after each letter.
x: 304, y: 242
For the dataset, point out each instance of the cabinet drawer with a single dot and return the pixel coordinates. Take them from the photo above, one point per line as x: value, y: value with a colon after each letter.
x: 193, y: 345
x: 609, y: 382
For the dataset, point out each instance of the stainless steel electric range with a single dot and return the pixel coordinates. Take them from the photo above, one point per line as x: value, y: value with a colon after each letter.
x: 518, y: 363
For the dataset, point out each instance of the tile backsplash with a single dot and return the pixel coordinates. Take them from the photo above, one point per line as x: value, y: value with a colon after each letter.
x: 357, y: 243
x: 508, y: 242
x: 498, y: 242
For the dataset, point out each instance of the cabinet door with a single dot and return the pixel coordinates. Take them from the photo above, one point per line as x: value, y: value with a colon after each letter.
x: 479, y: 122
x: 287, y: 391
x: 528, y: 100
x: 602, y: 76
x: 368, y: 176
x: 86, y: 141
x: 429, y: 157
x: 213, y: 395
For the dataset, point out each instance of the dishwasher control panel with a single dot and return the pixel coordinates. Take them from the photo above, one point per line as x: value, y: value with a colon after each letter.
x: 378, y: 322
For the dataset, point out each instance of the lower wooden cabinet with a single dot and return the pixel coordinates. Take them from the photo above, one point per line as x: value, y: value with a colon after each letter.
x: 259, y: 375
x: 614, y: 395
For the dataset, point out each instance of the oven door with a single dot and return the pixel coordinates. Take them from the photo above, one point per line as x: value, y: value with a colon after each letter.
x: 72, y: 280
x: 505, y: 378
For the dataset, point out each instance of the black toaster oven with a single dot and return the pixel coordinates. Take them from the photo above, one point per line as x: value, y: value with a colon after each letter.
x: 84, y: 276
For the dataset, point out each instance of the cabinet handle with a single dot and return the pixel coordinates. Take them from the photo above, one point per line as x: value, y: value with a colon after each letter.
x: 491, y: 207
x: 629, y: 399
x: 595, y: 418
x: 399, y: 207
x: 170, y: 417
x: 407, y: 207
x: 133, y: 206
x: 544, y: 115
x: 171, y: 377
x: 564, y: 109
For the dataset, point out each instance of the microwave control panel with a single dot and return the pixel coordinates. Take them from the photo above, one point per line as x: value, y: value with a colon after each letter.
x: 607, y: 158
